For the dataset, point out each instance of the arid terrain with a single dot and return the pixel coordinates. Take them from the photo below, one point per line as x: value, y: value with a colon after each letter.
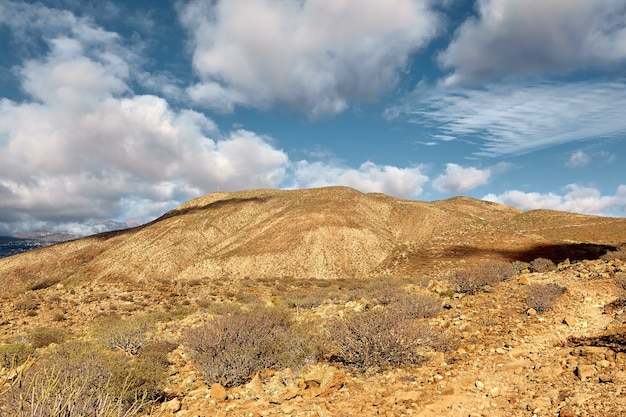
x: 365, y: 304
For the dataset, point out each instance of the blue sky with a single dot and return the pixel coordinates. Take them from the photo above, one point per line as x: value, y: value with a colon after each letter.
x: 122, y: 110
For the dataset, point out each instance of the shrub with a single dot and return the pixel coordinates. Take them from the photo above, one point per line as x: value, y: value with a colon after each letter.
x: 542, y: 265
x: 377, y: 339
x: 618, y: 255
x: 542, y: 297
x: 43, y: 336
x: 128, y: 335
x: 80, y: 379
x: 519, y: 266
x: 416, y: 306
x: 474, y: 280
x: 620, y: 280
x: 230, y: 349
x: 27, y: 303
x: 15, y: 354
x: 42, y: 284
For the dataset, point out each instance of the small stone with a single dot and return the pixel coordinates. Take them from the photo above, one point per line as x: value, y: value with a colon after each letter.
x: 585, y: 371
x: 569, y: 320
x: 500, y: 351
x: 531, y: 312
x: 480, y: 385
x: 218, y: 392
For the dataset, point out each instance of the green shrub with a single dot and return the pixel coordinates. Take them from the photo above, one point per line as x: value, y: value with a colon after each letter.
x: 15, y: 354
x: 230, y: 349
x: 542, y: 265
x: 542, y: 297
x: 80, y: 379
x: 377, y: 339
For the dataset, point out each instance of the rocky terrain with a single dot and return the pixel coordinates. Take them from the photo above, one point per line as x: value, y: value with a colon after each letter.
x: 496, y: 352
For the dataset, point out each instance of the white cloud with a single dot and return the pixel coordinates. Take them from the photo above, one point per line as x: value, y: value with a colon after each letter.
x: 517, y: 37
x: 369, y: 177
x: 520, y: 118
x: 458, y: 179
x: 86, y: 148
x: 576, y: 199
x: 314, y: 55
x: 578, y: 159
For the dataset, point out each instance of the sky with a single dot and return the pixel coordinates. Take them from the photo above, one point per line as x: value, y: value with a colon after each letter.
x: 121, y: 110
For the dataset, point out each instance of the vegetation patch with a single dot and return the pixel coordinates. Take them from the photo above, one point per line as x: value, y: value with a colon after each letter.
x: 542, y: 297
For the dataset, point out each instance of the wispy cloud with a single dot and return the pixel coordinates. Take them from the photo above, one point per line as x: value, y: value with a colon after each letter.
x: 521, y: 118
x: 576, y: 198
x: 578, y: 159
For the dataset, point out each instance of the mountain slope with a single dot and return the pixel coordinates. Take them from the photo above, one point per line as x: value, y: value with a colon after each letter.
x: 329, y: 232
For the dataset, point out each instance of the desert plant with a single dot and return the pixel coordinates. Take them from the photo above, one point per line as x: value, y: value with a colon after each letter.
x: 14, y: 354
x: 230, y: 349
x: 542, y: 265
x: 42, y: 283
x: 476, y: 279
x: 617, y: 255
x: 44, y: 336
x: 27, y: 302
x: 377, y: 339
x: 417, y: 306
x: 542, y: 297
x: 620, y: 280
x: 520, y: 266
x: 128, y: 335
x: 80, y: 379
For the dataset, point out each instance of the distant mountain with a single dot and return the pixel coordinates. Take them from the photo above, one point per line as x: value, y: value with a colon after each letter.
x: 329, y: 233
x: 22, y: 242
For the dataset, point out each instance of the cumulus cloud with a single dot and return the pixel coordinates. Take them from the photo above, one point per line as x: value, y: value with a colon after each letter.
x: 576, y: 198
x: 517, y: 37
x: 520, y: 118
x: 84, y: 147
x: 369, y: 177
x: 315, y: 55
x: 459, y: 179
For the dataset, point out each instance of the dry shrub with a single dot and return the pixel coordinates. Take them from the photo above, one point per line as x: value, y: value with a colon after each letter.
x: 230, y: 349
x: 620, y: 280
x: 474, y: 280
x: 128, y: 335
x: 417, y: 306
x: 15, y: 354
x: 27, y: 302
x: 615, y: 255
x: 542, y: 297
x: 377, y: 339
x: 542, y: 265
x: 305, y: 298
x: 157, y: 351
x: 79, y: 379
x: 44, y: 336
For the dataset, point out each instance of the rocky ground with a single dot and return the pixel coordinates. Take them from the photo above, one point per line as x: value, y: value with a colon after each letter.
x: 507, y: 359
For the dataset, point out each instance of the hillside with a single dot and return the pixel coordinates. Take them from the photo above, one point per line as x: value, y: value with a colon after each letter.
x: 328, y: 233
x: 319, y: 303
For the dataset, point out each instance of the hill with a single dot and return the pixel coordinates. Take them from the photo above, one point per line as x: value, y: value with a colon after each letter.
x: 328, y: 233
x: 324, y: 302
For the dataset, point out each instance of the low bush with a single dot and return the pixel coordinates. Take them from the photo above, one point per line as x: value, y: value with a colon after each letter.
x: 477, y: 279
x: 230, y: 349
x: 79, y: 379
x: 542, y: 297
x: 127, y: 335
x: 542, y: 265
x: 416, y: 306
x: 377, y: 339
x: 617, y: 255
x: 14, y: 354
x: 620, y: 280
x: 43, y: 336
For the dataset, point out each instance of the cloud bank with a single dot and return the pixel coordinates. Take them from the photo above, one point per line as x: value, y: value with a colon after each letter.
x: 315, y: 55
